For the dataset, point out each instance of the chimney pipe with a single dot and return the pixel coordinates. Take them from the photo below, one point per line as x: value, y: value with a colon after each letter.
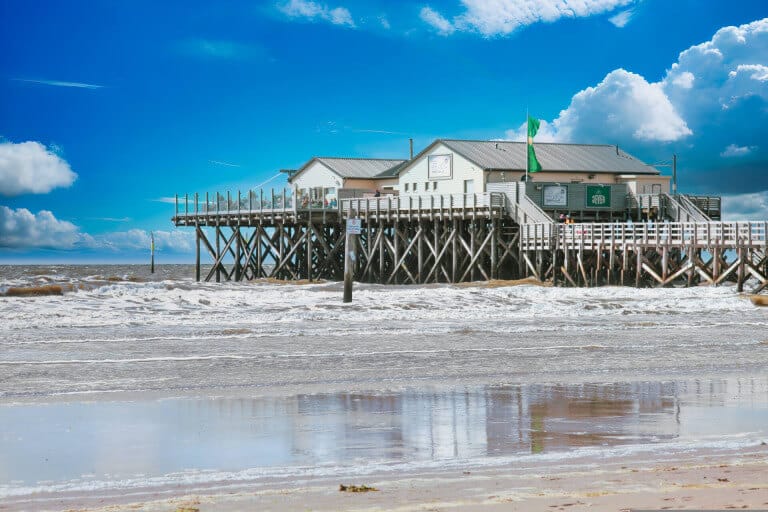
x: 410, y: 143
x: 617, y: 149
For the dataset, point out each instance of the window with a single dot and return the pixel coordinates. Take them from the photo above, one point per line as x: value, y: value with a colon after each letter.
x: 406, y: 187
x: 426, y: 186
x: 415, y: 187
x: 434, y: 185
x: 469, y: 186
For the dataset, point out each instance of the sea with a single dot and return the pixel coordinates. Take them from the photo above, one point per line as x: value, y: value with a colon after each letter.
x: 118, y: 383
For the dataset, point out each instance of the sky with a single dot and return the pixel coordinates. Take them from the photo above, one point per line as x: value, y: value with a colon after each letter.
x: 110, y: 109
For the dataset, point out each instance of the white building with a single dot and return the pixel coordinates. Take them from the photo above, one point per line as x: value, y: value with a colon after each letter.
x: 450, y: 166
x: 319, y: 180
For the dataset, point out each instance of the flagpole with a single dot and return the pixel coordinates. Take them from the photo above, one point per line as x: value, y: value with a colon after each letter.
x: 527, y: 153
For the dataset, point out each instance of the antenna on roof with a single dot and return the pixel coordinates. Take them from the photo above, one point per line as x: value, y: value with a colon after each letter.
x: 410, y: 143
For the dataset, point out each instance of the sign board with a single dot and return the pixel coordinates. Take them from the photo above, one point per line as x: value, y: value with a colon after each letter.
x: 555, y: 195
x: 439, y: 167
x: 354, y: 226
x: 598, y: 196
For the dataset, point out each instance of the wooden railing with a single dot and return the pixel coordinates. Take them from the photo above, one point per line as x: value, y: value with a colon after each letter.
x: 680, y: 234
x: 424, y: 203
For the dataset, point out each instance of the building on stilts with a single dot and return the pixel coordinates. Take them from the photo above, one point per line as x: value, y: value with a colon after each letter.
x: 464, y: 210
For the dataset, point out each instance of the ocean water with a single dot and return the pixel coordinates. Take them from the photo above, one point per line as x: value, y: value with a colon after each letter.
x: 114, y: 379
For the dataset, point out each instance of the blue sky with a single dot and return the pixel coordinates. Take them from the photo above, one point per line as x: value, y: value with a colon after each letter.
x: 107, y: 108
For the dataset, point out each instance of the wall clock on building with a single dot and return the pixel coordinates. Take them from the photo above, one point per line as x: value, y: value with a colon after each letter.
x: 440, y: 167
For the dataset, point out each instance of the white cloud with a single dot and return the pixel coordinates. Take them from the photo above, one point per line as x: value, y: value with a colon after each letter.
x: 684, y: 80
x: 22, y: 228
x: 620, y: 20
x: 623, y: 106
x: 752, y: 206
x: 384, y: 22
x: 436, y: 20
x: 31, y: 168
x: 758, y: 72
x: 59, y: 83
x: 139, y: 239
x: 502, y: 17
x: 733, y: 150
x: 715, y: 90
x: 314, y: 10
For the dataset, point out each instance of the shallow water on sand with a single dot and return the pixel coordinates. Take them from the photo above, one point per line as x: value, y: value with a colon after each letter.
x: 86, y: 446
x: 131, y: 380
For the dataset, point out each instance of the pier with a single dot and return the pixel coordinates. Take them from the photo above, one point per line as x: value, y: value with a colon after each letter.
x: 452, y: 238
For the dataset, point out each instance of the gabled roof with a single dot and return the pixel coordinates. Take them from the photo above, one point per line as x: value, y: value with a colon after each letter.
x: 364, y: 168
x: 554, y: 157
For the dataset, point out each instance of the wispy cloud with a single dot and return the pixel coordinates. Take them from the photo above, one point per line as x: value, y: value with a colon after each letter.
x: 225, y: 164
x: 620, y: 20
x: 310, y: 10
x: 437, y: 20
x: 220, y: 49
x: 502, y: 17
x: 113, y: 219
x: 369, y: 130
x: 734, y: 151
x: 59, y: 83
x: 168, y: 200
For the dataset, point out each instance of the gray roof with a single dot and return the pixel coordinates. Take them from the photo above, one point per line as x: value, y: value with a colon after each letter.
x: 554, y: 157
x: 359, y: 167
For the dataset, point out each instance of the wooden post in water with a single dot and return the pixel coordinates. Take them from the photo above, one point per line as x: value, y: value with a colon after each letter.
x: 353, y: 229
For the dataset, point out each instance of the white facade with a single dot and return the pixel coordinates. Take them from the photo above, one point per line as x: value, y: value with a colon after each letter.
x: 315, y: 176
x: 450, y: 173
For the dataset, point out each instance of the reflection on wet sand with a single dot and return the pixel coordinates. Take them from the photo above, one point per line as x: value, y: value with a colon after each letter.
x: 58, y: 442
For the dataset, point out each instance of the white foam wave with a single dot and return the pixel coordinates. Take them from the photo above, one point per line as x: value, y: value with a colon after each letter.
x: 524, y: 462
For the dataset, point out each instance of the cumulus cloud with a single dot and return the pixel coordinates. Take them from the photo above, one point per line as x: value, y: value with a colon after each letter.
x: 734, y: 150
x: 31, y: 168
x: 620, y: 20
x: 714, y: 94
x: 22, y: 229
x: 752, y: 206
x: 316, y: 11
x: 502, y: 17
x: 623, y: 105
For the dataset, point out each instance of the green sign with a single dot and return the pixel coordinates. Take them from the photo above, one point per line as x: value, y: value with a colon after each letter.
x: 598, y: 196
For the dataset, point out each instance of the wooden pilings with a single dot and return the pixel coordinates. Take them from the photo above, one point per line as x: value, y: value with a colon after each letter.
x: 389, y: 251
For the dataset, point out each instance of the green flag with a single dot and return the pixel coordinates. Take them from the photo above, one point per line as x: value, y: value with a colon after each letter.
x: 533, y: 162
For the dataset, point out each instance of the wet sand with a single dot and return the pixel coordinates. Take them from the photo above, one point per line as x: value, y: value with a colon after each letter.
x: 709, y: 482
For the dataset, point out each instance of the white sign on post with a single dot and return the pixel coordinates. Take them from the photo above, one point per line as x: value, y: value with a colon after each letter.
x: 354, y: 226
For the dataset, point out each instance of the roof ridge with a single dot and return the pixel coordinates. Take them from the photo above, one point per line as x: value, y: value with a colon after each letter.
x: 359, y: 158
x: 523, y: 142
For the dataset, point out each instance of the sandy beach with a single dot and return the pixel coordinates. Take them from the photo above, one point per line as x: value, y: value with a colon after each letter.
x: 723, y: 481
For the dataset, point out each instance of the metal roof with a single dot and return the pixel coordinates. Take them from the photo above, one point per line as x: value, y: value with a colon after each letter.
x: 361, y: 167
x: 504, y: 155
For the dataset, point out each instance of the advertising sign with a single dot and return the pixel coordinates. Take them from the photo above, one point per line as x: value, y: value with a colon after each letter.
x: 555, y: 195
x: 598, y: 196
x: 439, y: 167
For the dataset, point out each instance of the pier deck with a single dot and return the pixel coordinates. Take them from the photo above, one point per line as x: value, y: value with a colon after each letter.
x: 463, y: 237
